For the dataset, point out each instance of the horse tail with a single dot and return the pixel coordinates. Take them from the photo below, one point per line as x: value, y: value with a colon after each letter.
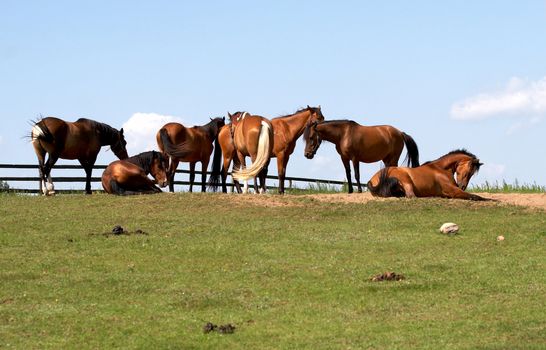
x: 214, y: 179
x: 387, y: 186
x: 412, y: 158
x: 262, y: 156
x: 174, y: 151
x: 40, y: 131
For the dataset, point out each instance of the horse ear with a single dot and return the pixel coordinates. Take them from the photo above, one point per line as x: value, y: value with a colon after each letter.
x: 229, y: 115
x: 121, y: 131
x: 308, y: 107
x: 318, y: 106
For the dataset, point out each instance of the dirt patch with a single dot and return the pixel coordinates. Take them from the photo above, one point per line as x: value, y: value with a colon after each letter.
x: 387, y: 276
x: 118, y: 230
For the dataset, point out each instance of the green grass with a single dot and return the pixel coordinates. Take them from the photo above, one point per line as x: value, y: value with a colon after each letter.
x: 294, y: 275
x: 505, y: 187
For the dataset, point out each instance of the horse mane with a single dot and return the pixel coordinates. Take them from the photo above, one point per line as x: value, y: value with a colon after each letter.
x: 145, y: 160
x: 106, y: 132
x: 338, y: 121
x: 456, y: 151
x: 296, y: 112
x: 211, y: 128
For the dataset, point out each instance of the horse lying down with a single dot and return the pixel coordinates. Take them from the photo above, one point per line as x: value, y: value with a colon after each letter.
x: 432, y: 179
x: 130, y: 176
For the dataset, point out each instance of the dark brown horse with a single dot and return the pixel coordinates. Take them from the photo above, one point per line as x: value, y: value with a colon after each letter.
x: 252, y: 137
x: 181, y: 144
x: 358, y: 143
x: 130, y: 176
x: 286, y: 131
x: 432, y: 179
x: 79, y: 140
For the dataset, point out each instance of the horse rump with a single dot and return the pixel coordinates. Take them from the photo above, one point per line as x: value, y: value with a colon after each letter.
x: 179, y: 151
x: 40, y: 131
x: 387, y: 186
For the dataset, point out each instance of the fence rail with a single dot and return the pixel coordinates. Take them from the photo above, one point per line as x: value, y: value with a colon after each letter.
x: 80, y: 179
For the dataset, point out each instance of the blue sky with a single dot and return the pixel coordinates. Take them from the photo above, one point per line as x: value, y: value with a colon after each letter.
x: 452, y: 74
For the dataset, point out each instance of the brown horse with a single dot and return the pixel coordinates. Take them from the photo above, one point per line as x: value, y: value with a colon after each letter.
x: 358, y: 143
x: 79, y: 140
x: 229, y: 154
x: 432, y: 179
x: 252, y: 137
x: 286, y: 131
x: 130, y: 176
x: 181, y: 144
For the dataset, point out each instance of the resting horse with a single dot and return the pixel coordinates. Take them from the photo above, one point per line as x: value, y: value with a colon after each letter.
x: 181, y: 144
x: 130, y: 176
x: 432, y: 179
x: 79, y: 140
x: 286, y: 131
x: 252, y: 137
x: 358, y: 143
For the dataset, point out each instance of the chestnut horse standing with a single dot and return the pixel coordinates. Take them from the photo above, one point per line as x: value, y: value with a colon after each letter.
x: 252, y: 137
x: 79, y: 140
x: 358, y: 143
x: 130, y: 176
x: 286, y: 131
x: 181, y: 144
x: 432, y: 179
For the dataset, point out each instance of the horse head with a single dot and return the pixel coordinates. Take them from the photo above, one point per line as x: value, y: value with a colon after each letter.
x: 119, y: 144
x: 159, y: 168
x: 315, y: 114
x: 465, y: 169
x: 312, y: 140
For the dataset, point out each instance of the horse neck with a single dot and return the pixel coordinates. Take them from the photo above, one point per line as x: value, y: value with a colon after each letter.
x: 332, y: 132
x: 107, y: 134
x: 211, y: 129
x: 143, y: 161
x: 450, y: 161
x: 296, y: 123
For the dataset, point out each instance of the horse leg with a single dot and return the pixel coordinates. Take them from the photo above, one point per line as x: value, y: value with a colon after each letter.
x: 88, y: 167
x: 282, y: 161
x: 192, y: 175
x: 356, y: 166
x: 263, y: 178
x: 173, y: 164
x: 40, y: 153
x: 236, y: 165
x: 204, y: 166
x: 49, y: 188
x: 456, y: 192
x: 347, y: 165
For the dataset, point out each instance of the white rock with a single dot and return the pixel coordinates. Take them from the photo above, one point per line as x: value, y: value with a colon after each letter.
x: 500, y: 238
x: 449, y: 228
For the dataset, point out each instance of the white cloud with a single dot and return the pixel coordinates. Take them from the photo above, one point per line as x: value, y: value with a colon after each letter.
x: 140, y: 130
x: 519, y: 98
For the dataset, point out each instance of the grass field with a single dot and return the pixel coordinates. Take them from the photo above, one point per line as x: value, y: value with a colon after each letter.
x: 289, y: 272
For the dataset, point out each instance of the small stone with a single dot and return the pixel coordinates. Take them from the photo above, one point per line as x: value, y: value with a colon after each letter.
x: 449, y: 228
x: 500, y: 238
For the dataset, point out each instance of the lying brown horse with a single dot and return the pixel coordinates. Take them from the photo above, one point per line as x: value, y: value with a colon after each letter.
x: 79, y: 140
x: 286, y: 131
x: 252, y: 137
x: 130, y: 176
x: 181, y: 144
x: 358, y: 143
x: 432, y: 179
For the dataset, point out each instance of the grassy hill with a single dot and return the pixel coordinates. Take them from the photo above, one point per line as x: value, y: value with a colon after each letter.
x: 287, y: 272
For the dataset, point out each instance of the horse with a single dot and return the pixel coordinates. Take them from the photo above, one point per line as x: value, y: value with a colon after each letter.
x: 81, y: 140
x: 181, y: 144
x: 252, y: 137
x: 432, y: 179
x: 130, y: 176
x: 229, y: 154
x: 358, y: 143
x: 286, y: 131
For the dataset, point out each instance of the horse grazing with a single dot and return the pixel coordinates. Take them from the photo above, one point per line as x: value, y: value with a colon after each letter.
x: 79, y: 140
x: 181, y: 144
x: 432, y: 179
x: 286, y: 131
x: 130, y: 176
x: 252, y: 137
x: 358, y: 143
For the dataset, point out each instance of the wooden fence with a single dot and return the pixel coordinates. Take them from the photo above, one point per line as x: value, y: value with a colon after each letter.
x: 289, y: 180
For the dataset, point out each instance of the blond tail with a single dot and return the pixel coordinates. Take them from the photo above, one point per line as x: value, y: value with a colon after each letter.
x: 262, y: 156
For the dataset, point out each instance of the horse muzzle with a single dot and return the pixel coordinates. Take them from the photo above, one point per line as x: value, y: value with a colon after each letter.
x: 309, y: 155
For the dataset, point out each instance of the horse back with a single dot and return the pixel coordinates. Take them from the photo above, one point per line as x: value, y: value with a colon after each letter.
x: 71, y: 140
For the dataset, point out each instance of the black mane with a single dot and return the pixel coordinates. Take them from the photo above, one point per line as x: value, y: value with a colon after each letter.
x: 145, y: 160
x: 456, y: 151
x: 107, y: 134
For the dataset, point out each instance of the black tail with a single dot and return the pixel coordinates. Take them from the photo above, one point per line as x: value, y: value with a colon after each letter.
x: 387, y: 186
x: 412, y: 158
x: 175, y: 151
x: 214, y: 179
